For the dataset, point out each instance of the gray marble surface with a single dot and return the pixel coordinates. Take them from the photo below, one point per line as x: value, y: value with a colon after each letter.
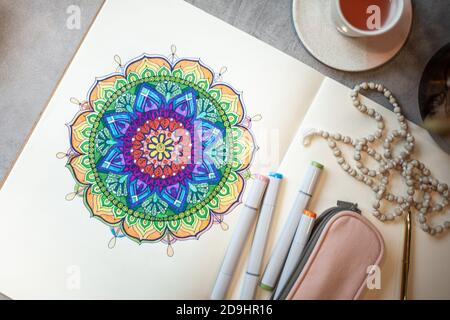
x: 36, y: 46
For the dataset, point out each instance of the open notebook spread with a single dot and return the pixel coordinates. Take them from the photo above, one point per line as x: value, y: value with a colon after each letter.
x: 46, y: 240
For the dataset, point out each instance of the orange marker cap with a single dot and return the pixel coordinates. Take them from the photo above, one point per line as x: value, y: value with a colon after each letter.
x: 309, y: 214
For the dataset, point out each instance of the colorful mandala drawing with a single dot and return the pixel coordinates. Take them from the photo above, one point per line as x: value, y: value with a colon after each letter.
x: 160, y: 150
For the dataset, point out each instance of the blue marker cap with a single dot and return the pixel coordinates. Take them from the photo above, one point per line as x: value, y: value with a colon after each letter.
x: 275, y: 175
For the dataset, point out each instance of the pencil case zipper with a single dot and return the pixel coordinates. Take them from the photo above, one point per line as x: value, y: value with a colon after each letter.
x: 319, y: 226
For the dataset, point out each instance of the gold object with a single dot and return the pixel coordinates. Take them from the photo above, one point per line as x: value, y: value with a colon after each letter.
x: 406, y: 257
x: 439, y: 125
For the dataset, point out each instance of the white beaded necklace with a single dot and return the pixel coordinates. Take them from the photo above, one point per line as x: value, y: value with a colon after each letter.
x: 416, y: 176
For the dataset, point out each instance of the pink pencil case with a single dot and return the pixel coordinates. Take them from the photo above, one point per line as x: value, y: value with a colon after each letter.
x: 338, y: 257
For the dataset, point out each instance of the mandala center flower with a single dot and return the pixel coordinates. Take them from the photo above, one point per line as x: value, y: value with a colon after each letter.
x: 160, y: 147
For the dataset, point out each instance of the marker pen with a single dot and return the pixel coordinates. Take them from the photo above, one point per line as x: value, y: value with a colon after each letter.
x: 279, y: 254
x: 248, y: 216
x: 295, y: 252
x: 252, y: 274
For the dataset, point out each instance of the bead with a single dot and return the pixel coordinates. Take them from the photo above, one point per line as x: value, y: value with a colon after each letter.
x: 425, y: 227
x: 379, y: 133
x: 422, y: 218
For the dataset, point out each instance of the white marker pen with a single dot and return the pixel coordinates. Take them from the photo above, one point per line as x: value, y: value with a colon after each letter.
x: 248, y: 214
x: 252, y: 274
x: 281, y: 250
x: 295, y: 252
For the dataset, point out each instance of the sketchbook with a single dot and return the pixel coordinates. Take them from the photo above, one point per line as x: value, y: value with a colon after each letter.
x: 52, y: 248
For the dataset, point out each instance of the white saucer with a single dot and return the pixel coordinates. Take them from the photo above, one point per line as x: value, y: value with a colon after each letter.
x: 312, y: 20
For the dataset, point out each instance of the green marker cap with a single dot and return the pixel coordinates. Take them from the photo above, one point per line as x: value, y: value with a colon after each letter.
x: 266, y: 287
x: 317, y: 165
